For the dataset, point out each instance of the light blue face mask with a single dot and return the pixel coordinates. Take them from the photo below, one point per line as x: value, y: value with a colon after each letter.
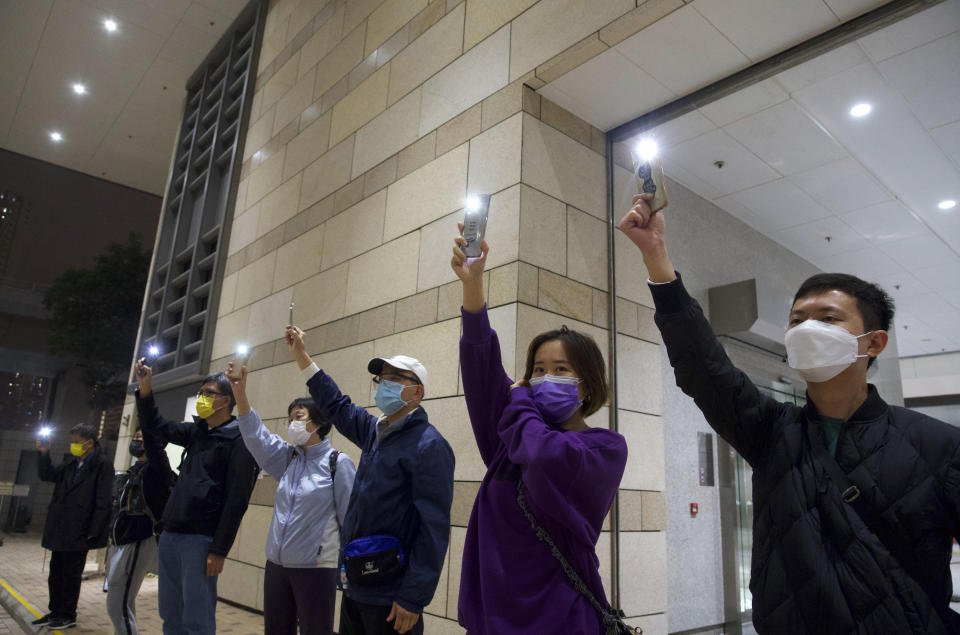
x: 388, y: 397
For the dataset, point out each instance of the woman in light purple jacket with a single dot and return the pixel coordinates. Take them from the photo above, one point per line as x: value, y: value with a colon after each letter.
x: 533, y: 431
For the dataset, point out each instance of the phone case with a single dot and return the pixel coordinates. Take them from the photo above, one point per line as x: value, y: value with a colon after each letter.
x: 475, y: 226
x: 650, y: 181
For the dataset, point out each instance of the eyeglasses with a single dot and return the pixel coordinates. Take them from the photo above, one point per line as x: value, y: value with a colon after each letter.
x: 209, y: 393
x: 396, y: 378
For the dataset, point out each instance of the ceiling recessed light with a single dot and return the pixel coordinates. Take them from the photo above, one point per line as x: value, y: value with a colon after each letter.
x: 948, y: 204
x: 79, y: 89
x: 56, y: 136
x: 110, y: 25
x: 861, y: 110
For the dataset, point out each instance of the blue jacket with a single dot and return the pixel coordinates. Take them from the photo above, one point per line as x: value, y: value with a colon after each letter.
x: 308, y: 508
x: 403, y: 488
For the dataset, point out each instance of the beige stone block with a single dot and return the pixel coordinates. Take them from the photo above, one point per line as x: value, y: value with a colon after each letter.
x: 450, y: 417
x: 380, y: 176
x: 354, y: 231
x: 552, y: 26
x: 386, y: 135
x: 362, y: 71
x: 240, y: 205
x: 475, y: 75
x: 643, y: 551
x: 294, y: 102
x: 266, y: 177
x: 639, y: 384
x: 631, y: 510
x: 565, y: 296
x: 449, y: 299
x: 384, y: 274
x: 495, y: 157
x: 348, y: 195
x: 417, y: 155
x: 559, y: 166
x: 228, y: 293
x: 244, y: 229
x: 310, y: 114
x: 543, y: 229
x: 282, y: 81
x: 320, y: 43
x: 431, y: 345
x: 644, y: 435
x: 429, y: 193
x: 503, y: 284
x: 531, y: 322
x: 566, y: 122
x: 528, y: 279
x: 230, y: 329
x: 241, y: 582
x: 587, y: 249
x: 255, y: 280
x: 503, y: 233
x: 458, y: 130
x: 299, y: 258
x: 561, y: 64
x: 428, y: 17
x: 394, y: 45
x: 458, y: 538
x: 276, y: 387
x: 327, y: 174
x: 484, y: 17
x: 279, y: 206
x: 259, y: 133
x: 436, y: 625
x: 636, y: 20
x: 302, y: 14
x: 503, y: 320
x: 426, y: 55
x: 377, y: 322
x: 632, y: 274
x: 387, y: 20
x: 361, y: 105
x: 339, y: 61
x: 348, y: 368
x: 627, y: 320
x: 320, y: 298
x: 646, y: 327
x: 500, y: 105
x: 306, y: 147
x: 601, y: 308
x: 654, y: 511
x: 416, y: 310
x: 357, y: 11
x: 464, y: 496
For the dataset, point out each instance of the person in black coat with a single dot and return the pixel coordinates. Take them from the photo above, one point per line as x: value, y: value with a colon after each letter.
x: 77, y: 519
x: 856, y: 502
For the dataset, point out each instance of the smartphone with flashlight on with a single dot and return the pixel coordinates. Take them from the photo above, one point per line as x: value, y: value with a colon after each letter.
x: 475, y: 213
x: 240, y: 358
x: 153, y: 351
x: 648, y: 171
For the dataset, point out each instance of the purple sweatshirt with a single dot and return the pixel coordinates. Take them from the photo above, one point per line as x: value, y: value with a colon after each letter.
x: 510, y: 583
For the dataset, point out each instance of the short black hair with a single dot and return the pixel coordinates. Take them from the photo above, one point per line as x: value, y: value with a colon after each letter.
x: 84, y: 431
x: 585, y: 357
x: 322, y: 423
x: 875, y: 305
x: 223, y: 386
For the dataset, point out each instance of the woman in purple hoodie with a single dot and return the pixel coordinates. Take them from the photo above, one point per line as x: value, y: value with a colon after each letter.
x: 533, y: 438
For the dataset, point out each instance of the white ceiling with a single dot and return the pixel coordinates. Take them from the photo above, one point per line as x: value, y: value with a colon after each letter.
x: 123, y: 129
x: 797, y: 166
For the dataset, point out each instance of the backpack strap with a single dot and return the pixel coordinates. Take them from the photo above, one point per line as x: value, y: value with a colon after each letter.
x: 334, y: 455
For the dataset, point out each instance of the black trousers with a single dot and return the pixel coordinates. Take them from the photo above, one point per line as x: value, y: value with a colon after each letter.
x: 369, y: 619
x: 66, y: 573
x: 299, y: 596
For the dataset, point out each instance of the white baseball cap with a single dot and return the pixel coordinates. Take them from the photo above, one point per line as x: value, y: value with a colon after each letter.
x: 375, y: 367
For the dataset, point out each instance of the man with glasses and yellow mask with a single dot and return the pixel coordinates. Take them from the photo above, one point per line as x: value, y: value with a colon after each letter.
x: 397, y: 526
x: 202, y: 516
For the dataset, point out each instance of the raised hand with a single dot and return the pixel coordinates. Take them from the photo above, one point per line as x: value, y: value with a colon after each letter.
x: 467, y: 268
x: 145, y: 377
x: 646, y: 230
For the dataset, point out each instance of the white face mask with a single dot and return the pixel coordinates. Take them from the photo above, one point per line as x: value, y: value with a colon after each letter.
x: 297, y: 433
x: 821, y: 351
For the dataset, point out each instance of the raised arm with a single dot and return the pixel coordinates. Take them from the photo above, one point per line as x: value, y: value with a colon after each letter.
x: 343, y: 485
x: 485, y: 383
x: 730, y: 402
x: 271, y: 453
x: 151, y: 422
x: 351, y: 420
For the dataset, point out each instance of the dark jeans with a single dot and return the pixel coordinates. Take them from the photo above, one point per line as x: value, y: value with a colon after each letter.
x: 66, y: 573
x: 369, y: 619
x: 304, y: 596
x: 186, y: 597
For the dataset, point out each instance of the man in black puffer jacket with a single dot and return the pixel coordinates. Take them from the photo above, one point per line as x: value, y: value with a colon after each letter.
x: 856, y: 502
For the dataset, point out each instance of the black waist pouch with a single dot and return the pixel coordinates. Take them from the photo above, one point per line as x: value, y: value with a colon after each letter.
x: 373, y: 560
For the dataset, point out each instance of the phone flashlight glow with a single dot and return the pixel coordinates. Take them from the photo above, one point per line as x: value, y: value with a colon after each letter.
x: 46, y: 431
x: 153, y: 351
x: 242, y: 350
x: 472, y: 203
x: 647, y: 149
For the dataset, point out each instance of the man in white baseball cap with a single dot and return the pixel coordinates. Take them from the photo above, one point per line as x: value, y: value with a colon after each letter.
x: 397, y: 527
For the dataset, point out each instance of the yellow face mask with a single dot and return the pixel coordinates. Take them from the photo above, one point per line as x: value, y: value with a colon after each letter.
x: 205, y: 406
x: 76, y: 449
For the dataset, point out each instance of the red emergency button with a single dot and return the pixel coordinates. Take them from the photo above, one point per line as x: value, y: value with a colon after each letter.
x: 694, y: 508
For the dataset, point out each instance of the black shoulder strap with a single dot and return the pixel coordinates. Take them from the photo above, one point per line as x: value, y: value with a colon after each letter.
x: 334, y: 454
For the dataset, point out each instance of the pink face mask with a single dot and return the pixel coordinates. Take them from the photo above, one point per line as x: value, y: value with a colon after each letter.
x: 556, y: 397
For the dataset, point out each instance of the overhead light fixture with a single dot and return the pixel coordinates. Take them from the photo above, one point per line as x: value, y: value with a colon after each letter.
x: 56, y: 136
x: 861, y: 110
x: 110, y: 25
x: 646, y: 149
x: 79, y: 89
x: 948, y: 204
